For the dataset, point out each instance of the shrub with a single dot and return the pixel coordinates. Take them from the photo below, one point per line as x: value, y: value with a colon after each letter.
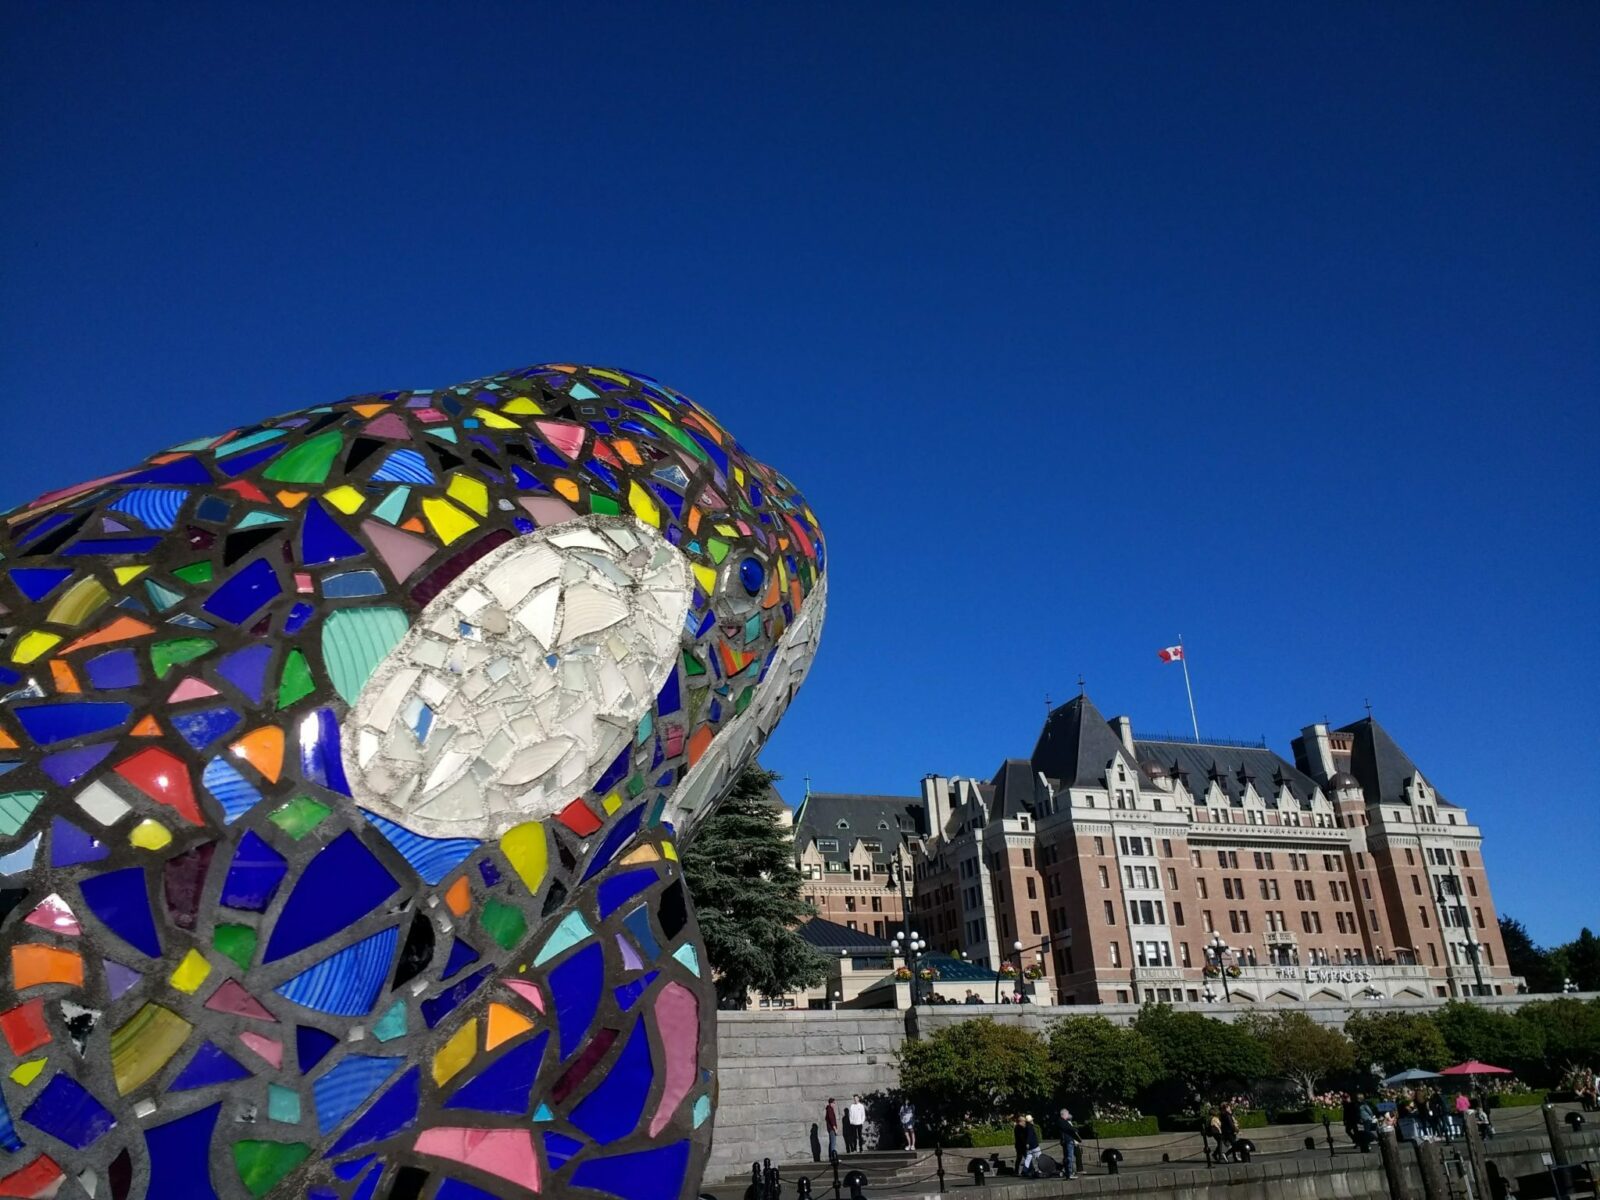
x: 1142, y: 1127
x: 1307, y: 1116
x: 1250, y: 1118
x: 1516, y: 1100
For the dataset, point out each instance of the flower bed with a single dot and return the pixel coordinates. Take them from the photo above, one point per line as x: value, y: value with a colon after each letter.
x: 1308, y: 1116
x: 1251, y: 1118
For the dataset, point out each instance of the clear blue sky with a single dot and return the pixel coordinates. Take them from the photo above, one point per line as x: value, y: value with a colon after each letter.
x: 1083, y: 327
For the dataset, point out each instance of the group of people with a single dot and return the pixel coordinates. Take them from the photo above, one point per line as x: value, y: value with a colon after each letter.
x: 1420, y: 1115
x: 1588, y: 1089
x: 855, y: 1126
x: 1030, y: 1157
x: 1220, y: 1134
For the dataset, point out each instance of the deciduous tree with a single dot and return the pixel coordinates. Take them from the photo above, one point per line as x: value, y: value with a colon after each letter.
x: 1303, y: 1051
x: 1096, y: 1061
x: 974, y: 1072
x: 1206, y: 1058
x: 1397, y: 1041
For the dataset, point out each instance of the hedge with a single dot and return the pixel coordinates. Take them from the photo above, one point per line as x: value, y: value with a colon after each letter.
x: 1516, y: 1099
x: 1250, y: 1118
x: 984, y: 1135
x: 1143, y: 1127
x: 1307, y: 1116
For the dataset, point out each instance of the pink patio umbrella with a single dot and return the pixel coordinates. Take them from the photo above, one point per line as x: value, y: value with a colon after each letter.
x: 1474, y: 1067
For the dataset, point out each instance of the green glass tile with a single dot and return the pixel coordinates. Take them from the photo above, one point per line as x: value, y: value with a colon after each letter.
x: 635, y: 786
x: 262, y: 1164
x: 237, y: 942
x: 166, y: 655
x: 392, y: 1024
x: 355, y: 641
x: 692, y: 665
x: 300, y: 816
x: 309, y: 462
x: 16, y: 808
x: 505, y: 924
x: 744, y: 699
x: 718, y: 549
x: 296, y: 683
x: 752, y: 630
x: 647, y: 725
x: 198, y: 572
x: 604, y: 504
x: 161, y: 595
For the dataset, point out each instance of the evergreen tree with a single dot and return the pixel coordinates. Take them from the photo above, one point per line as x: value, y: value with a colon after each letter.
x: 1534, y: 963
x: 739, y: 868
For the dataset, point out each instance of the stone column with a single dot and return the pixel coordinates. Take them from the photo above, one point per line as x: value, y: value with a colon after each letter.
x: 1430, y: 1161
x: 1389, y: 1152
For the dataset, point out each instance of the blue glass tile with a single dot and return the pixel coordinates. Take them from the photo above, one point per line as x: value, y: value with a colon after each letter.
x: 68, y: 767
x: 621, y: 833
x: 669, y: 700
x: 157, y: 508
x: 447, y: 1001
x: 70, y: 845
x: 254, y: 876
x: 117, y: 669
x: 404, y: 466
x: 238, y: 464
x: 233, y: 791
x: 346, y: 984
x: 209, y: 1066
x: 575, y: 986
x: 174, y: 1149
x: 66, y: 1111
x: 298, y: 616
x: 367, y: 1189
x: 319, y: 751
x: 616, y: 772
x: 339, y: 886
x: 121, y: 901
x: 323, y: 540
x: 431, y: 858
x: 311, y: 1046
x: 113, y: 545
x: 454, y: 1189
x: 213, y: 509
x: 670, y: 498
x: 752, y: 575
x: 558, y: 1148
x: 622, y: 887
x: 628, y: 994
x: 346, y: 1088
x: 246, y: 669
x: 244, y: 593
x: 504, y: 1086
x: 47, y: 724
x: 38, y: 582
x: 644, y: 1175
x: 389, y: 1114
x: 638, y: 924
x: 349, y: 1170
x: 461, y: 955
x: 352, y: 584
x: 9, y: 1141
x: 202, y: 728
x: 613, y: 1108
x: 489, y: 872
x: 182, y: 470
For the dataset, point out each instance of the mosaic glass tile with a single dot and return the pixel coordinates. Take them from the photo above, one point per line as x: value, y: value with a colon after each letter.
x: 374, y: 723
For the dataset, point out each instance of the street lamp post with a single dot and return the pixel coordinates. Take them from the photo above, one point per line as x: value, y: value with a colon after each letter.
x: 1474, y: 946
x: 1210, y: 994
x: 1568, y: 988
x: 910, y: 949
x: 1017, y: 949
x: 1216, y: 947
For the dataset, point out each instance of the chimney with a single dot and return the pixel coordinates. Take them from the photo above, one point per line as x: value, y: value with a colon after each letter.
x: 1124, y: 730
x: 1318, y: 752
x: 936, y: 803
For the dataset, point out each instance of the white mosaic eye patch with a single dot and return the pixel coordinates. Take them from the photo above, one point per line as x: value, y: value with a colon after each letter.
x: 521, y: 681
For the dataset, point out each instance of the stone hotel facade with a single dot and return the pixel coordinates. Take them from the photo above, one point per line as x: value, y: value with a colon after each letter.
x: 1118, y: 862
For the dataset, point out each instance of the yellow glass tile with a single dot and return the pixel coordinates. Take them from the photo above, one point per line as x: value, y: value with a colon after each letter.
x: 32, y: 644
x: 189, y: 974
x: 706, y: 578
x: 150, y: 835
x: 128, y: 574
x: 527, y: 849
x: 611, y: 375
x: 503, y: 1025
x: 26, y: 1073
x: 144, y: 1043
x: 522, y: 406
x: 448, y: 521
x: 727, y: 531
x: 369, y: 409
x: 469, y: 493
x: 738, y: 476
x: 643, y: 506
x: 345, y: 498
x: 79, y: 602
x: 567, y: 489
x: 494, y: 420
x: 612, y: 802
x: 669, y: 851
x: 644, y: 854
x: 457, y: 1052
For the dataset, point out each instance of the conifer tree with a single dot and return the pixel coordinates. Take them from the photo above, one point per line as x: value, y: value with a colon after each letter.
x: 740, y: 869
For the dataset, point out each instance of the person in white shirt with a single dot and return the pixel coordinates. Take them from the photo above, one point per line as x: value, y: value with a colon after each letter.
x: 855, y: 1126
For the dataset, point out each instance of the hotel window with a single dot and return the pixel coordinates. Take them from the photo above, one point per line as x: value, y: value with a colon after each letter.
x: 1172, y: 878
x: 1205, y: 916
x: 1027, y: 857
x: 1233, y: 920
x: 1366, y: 889
x: 1372, y: 919
x: 1111, y: 913
x: 1222, y: 858
x: 1316, y: 922
x: 1116, y: 953
x: 1416, y: 885
x: 1472, y: 886
x: 1100, y: 846
x: 1032, y: 895
x: 1422, y: 912
x: 1478, y: 912
x: 1261, y: 861
x: 1305, y: 921
x: 1105, y: 878
x: 1183, y: 953
x: 1166, y: 847
x: 1033, y: 919
x: 1411, y: 859
x: 1201, y: 882
x: 1177, y: 913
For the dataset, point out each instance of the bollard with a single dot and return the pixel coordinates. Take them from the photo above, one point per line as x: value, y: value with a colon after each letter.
x: 1558, y: 1140
x: 1477, y: 1157
x: 1430, y: 1162
x: 1389, y: 1151
x: 938, y: 1155
x: 802, y: 1188
x: 1327, y: 1129
x: 1112, y: 1158
x: 835, y: 1177
x: 855, y: 1181
x: 979, y: 1170
x: 1243, y: 1149
x: 1574, y: 1121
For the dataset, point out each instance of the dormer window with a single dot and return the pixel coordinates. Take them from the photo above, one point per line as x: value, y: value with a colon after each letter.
x: 883, y: 824
x: 842, y: 825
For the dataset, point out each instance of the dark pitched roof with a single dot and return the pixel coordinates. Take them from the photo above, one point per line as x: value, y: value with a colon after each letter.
x: 957, y: 970
x: 1076, y: 745
x: 1379, y: 763
x: 1016, y: 790
x: 1231, y: 767
x: 831, y: 937
x: 886, y: 819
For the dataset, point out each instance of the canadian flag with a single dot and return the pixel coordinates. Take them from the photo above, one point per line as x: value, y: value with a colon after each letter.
x: 1170, y: 653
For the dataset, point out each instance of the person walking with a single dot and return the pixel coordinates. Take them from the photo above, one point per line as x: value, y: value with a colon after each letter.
x: 1213, y: 1130
x: 1030, y: 1152
x: 1230, y: 1128
x: 830, y: 1119
x: 908, y: 1124
x: 1069, y: 1145
x: 1019, y: 1140
x: 856, y: 1126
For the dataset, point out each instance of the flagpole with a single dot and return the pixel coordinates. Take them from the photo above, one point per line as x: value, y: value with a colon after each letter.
x: 1183, y: 657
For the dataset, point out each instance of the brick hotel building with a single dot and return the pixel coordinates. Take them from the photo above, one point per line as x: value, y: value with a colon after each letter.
x: 1117, y: 861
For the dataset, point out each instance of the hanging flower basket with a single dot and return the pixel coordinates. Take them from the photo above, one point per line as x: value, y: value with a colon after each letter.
x: 902, y: 973
x: 1035, y: 972
x: 928, y: 973
x: 1209, y: 971
x: 1234, y: 972
x: 1008, y: 970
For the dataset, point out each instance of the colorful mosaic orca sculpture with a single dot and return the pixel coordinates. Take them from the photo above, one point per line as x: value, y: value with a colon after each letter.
x: 341, y: 762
